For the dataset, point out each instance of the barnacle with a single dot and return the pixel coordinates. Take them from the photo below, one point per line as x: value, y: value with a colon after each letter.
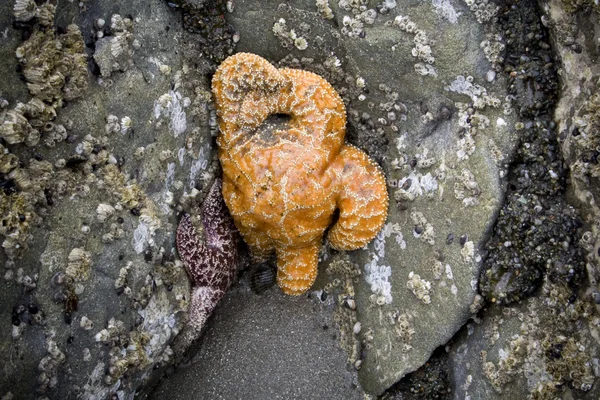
x: 79, y: 266
x: 16, y: 129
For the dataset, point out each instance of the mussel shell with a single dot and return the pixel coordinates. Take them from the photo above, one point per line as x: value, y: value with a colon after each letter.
x: 262, y: 278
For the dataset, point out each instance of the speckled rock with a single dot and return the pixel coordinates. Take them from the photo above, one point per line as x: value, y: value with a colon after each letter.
x: 402, y: 73
x: 573, y: 26
x: 92, y: 292
x: 543, y: 348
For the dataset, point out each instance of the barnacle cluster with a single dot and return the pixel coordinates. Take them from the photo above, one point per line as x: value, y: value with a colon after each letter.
x: 445, y: 9
x: 23, y: 189
x: 353, y: 26
x: 586, y: 140
x: 545, y: 241
x: 537, y: 233
x: 484, y: 10
x: 423, y: 229
x: 25, y: 10
x: 55, y: 69
x: 573, y: 6
x: 217, y: 37
x: 16, y: 216
x: 127, y: 349
x: 431, y: 381
x: 371, y: 126
x: 404, y: 328
x: 48, y: 366
x: 288, y: 37
x: 79, y: 264
x: 493, y: 49
x: 343, y: 276
x: 115, y: 52
x: 470, y: 116
x: 324, y: 8
x: 466, y: 188
x: 550, y: 345
x: 420, y: 287
x: 135, y: 349
x: 54, y: 66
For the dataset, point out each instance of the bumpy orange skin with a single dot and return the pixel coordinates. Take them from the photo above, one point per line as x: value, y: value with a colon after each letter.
x: 283, y: 184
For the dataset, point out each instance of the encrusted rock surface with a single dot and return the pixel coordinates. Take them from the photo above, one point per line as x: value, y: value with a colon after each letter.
x: 444, y: 161
x: 543, y: 348
x: 545, y: 344
x: 92, y: 292
x: 455, y: 100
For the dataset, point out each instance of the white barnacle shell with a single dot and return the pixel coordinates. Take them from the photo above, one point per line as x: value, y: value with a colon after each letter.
x: 24, y: 10
x: 165, y: 69
x: 86, y: 323
x: 104, y: 211
x: 126, y: 125
x: 79, y: 264
x: 102, y: 336
x: 112, y: 124
x: 301, y: 43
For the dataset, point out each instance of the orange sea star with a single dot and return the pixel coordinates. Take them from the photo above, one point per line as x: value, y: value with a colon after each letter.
x: 283, y: 178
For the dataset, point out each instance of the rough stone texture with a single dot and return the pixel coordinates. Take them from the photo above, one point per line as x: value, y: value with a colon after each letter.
x: 574, y: 27
x: 388, y: 321
x: 431, y: 136
x: 546, y: 347
x: 115, y: 325
x: 270, y: 346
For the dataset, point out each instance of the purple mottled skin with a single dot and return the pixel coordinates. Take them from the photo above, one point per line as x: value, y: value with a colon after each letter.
x: 211, y: 264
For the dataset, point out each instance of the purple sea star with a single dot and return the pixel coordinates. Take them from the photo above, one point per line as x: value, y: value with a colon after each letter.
x: 211, y: 265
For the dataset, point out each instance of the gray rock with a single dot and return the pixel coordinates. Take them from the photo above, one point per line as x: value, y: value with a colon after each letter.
x: 99, y: 268
x: 268, y: 346
x: 444, y: 173
x: 578, y: 114
x: 543, y: 348
x: 547, y: 346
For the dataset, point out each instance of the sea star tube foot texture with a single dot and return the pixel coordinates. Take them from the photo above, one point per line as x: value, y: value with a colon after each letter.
x: 297, y: 268
x: 282, y: 182
x: 212, y: 263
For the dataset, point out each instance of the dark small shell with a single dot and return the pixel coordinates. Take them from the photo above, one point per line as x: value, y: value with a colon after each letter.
x: 59, y: 296
x: 58, y: 279
x: 262, y: 279
x: 26, y: 317
x: 33, y: 308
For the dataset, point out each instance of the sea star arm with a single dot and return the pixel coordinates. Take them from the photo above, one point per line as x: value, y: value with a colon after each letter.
x: 362, y: 200
x: 211, y: 264
x: 260, y: 244
x: 297, y: 268
x: 246, y: 89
